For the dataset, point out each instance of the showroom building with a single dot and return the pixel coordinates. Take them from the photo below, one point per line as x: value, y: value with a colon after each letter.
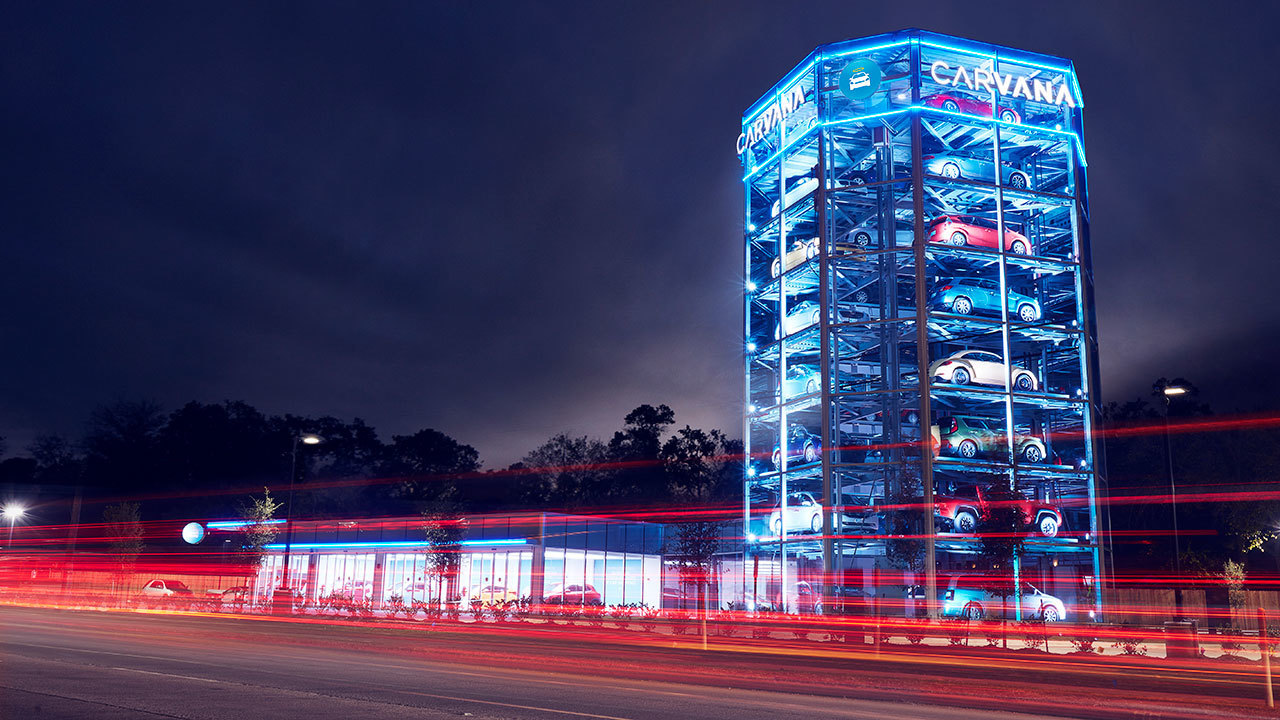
x: 920, y: 346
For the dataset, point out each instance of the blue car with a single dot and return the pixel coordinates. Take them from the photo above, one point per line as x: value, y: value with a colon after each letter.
x: 801, y: 380
x: 803, y: 447
x: 970, y: 295
x: 974, y: 167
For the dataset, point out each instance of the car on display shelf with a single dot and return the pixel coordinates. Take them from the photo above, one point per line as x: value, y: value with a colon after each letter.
x: 804, y: 514
x: 808, y: 599
x: 975, y: 597
x: 955, y: 166
x: 802, y: 446
x: 494, y: 595
x: 801, y: 380
x: 572, y: 595
x: 801, y: 252
x: 801, y: 186
x: 969, y: 438
x: 965, y: 296
x: 961, y: 514
x: 807, y: 314
x: 956, y: 101
x: 980, y: 367
x: 971, y: 231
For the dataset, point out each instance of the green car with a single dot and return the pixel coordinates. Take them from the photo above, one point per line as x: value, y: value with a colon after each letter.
x: 968, y: 437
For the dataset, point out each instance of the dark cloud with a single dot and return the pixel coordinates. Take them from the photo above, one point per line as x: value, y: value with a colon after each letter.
x: 508, y: 220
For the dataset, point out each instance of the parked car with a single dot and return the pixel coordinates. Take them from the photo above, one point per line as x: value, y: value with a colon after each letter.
x: 957, y: 101
x: 494, y: 595
x: 175, y: 589
x: 970, y: 596
x: 808, y: 599
x: 803, y: 514
x: 801, y: 252
x: 572, y: 595
x: 974, y: 167
x: 801, y: 380
x: 969, y: 295
x: 800, y: 186
x: 961, y: 514
x: 969, y: 437
x: 980, y: 367
x: 802, y: 445
x: 806, y: 314
x: 234, y: 595
x: 972, y: 231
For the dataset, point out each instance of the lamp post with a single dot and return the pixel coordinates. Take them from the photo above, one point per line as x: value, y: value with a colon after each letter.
x: 13, y: 513
x: 1168, y: 392
x: 304, y: 439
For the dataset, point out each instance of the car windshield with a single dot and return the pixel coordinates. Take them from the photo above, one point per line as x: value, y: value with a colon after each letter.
x: 176, y: 585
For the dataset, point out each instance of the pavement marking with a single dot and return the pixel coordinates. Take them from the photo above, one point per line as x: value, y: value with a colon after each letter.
x: 184, y: 677
x: 105, y: 652
x: 511, y: 705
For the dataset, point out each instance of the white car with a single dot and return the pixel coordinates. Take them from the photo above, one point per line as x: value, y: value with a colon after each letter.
x: 797, y: 191
x: 166, y: 589
x: 804, y: 514
x: 809, y: 313
x: 981, y: 368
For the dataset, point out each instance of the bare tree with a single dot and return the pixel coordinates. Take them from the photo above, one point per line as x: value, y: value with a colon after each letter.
x: 124, y: 528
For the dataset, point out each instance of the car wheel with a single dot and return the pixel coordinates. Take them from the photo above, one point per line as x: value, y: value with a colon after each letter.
x: 1028, y: 313
x: 1008, y: 116
x: 861, y: 296
x: 1050, y: 614
x: 1032, y: 454
x: 1018, y: 181
x: 951, y: 171
x: 776, y: 268
x: 960, y: 376
x: 862, y: 239
x: 912, y: 417
x: 950, y: 105
x: 810, y: 251
x: 973, y: 611
x: 965, y: 522
x: 810, y: 452
x: 968, y: 449
x: 815, y: 523
x: 1018, y: 248
x: 777, y: 527
x: 777, y: 459
x: 959, y: 239
x: 857, y: 180
x: 1049, y: 526
x: 816, y: 317
x: 811, y: 386
x: 1024, y: 382
x: 962, y: 306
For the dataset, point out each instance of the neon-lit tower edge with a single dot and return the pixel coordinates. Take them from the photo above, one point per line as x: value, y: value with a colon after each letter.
x: 897, y: 187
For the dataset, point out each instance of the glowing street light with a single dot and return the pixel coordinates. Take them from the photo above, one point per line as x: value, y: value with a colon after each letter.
x: 13, y: 513
x: 305, y: 439
x: 1170, y: 390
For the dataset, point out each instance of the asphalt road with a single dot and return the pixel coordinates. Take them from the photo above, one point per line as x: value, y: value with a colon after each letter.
x: 64, y: 664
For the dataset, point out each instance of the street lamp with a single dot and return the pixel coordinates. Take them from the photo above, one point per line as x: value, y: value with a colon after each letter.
x: 13, y: 513
x: 304, y: 439
x: 1169, y: 391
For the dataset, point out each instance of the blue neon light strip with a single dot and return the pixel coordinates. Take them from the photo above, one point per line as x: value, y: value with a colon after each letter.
x: 787, y: 82
x: 873, y: 48
x: 407, y: 543
x: 237, y: 524
x: 993, y: 58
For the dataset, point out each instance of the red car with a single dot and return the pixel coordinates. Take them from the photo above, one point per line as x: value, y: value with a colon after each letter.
x: 572, y: 595
x: 963, y: 513
x: 954, y: 101
x: 976, y: 232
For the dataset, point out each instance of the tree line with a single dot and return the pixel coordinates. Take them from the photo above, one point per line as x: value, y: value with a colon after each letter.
x: 203, y: 459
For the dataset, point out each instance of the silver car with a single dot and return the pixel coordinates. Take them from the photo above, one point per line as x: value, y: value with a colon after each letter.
x: 981, y: 368
x: 974, y: 167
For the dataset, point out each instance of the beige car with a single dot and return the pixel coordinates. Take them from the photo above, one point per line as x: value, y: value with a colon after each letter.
x: 802, y: 251
x: 981, y: 368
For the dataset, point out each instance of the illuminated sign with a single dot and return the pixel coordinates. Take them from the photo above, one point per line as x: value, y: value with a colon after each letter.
x: 984, y: 77
x: 193, y: 533
x: 786, y: 103
x: 860, y: 79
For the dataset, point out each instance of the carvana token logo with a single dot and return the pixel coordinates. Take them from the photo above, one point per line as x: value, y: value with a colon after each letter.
x: 860, y: 79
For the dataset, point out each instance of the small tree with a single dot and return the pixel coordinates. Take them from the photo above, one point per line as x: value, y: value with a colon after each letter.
x: 1233, y: 578
x: 443, y: 528
x: 124, y: 527
x: 694, y: 545
x: 1001, y: 533
x: 258, y: 531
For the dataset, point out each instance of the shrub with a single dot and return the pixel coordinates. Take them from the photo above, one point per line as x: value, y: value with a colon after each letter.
x: 1230, y: 643
x: 681, y: 624
x: 956, y: 630
x: 1129, y: 641
x: 761, y: 632
x: 1085, y: 641
x: 915, y: 630
x: 1035, y: 634
x: 648, y: 619
x: 993, y: 629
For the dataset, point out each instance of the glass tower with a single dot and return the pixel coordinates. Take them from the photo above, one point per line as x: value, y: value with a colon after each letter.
x: 920, y: 352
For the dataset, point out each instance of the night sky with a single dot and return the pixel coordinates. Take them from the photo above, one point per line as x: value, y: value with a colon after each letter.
x: 507, y: 220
